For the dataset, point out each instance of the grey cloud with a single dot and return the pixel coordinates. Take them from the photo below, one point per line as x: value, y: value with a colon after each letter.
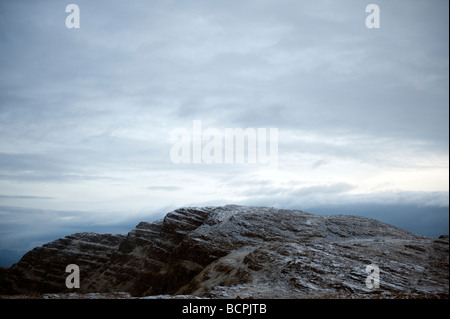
x: 23, y: 197
x: 376, y: 150
x: 337, y: 195
x: 298, y: 193
x: 25, y: 228
x: 165, y: 188
x: 30, y: 162
x: 346, y: 103
x: 319, y: 163
x: 37, y: 167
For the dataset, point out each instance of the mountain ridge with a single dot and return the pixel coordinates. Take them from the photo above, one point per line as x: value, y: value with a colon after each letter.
x: 246, y: 251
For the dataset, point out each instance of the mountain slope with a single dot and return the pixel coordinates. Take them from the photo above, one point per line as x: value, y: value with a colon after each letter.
x: 230, y: 251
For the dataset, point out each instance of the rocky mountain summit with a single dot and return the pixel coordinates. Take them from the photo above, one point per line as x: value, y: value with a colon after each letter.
x: 238, y: 251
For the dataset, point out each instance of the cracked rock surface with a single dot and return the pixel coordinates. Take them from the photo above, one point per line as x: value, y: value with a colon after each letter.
x: 239, y: 251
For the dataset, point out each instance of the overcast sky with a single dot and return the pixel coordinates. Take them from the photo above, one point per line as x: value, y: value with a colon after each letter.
x: 86, y: 114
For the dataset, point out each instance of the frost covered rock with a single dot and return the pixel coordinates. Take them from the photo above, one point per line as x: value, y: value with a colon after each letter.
x: 238, y: 251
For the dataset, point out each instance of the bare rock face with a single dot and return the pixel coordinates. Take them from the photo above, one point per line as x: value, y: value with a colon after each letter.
x: 43, y: 268
x: 247, y: 252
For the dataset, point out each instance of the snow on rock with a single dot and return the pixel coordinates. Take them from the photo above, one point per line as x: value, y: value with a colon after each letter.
x: 238, y: 251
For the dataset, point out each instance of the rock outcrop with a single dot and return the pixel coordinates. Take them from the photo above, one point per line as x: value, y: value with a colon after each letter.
x: 247, y: 252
